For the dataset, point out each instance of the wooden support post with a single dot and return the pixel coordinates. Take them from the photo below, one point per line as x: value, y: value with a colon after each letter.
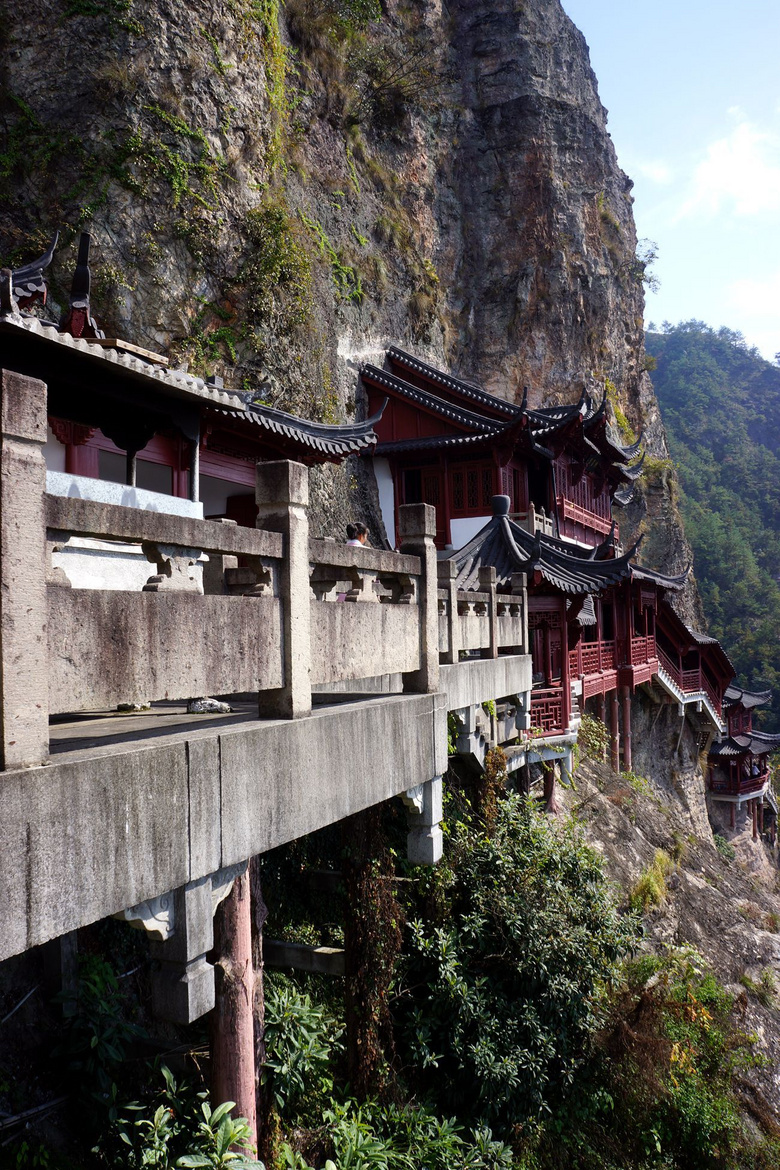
x: 263, y: 1099
x: 761, y: 815
x: 24, y: 650
x: 733, y: 818
x: 614, y: 708
x: 417, y: 529
x: 626, y: 729
x: 282, y: 494
x: 232, y: 1021
x: 753, y: 813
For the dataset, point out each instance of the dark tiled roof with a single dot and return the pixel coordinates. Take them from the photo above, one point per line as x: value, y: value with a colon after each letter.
x: 398, y: 357
x: 735, y: 694
x: 640, y: 573
x: 510, y: 549
x: 455, y: 413
x: 569, y: 568
x: 432, y: 443
x: 326, y: 440
x: 756, y: 742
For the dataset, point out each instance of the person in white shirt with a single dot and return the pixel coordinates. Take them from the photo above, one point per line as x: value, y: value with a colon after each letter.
x: 357, y: 534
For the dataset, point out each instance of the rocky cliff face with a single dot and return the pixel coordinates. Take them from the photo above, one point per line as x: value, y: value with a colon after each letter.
x: 276, y: 193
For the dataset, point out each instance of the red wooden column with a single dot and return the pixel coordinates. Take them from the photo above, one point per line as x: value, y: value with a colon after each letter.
x: 754, y: 814
x: 733, y: 819
x: 614, y: 708
x: 626, y: 696
x: 232, y: 1021
x: 761, y: 814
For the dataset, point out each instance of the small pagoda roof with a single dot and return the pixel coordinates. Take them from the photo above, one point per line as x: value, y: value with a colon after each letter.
x: 736, y: 695
x: 758, y: 743
x: 673, y: 583
x: 510, y: 549
x: 320, y: 440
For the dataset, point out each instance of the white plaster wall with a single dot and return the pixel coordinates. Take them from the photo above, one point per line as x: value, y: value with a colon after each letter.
x: 54, y: 452
x: 384, y: 483
x: 82, y: 487
x: 464, y: 529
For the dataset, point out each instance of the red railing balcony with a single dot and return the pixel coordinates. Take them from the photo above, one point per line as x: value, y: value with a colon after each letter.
x: 547, y: 710
x: 568, y: 510
x: 671, y: 668
x: 743, y: 787
x: 711, y: 694
x: 591, y: 658
x: 642, y: 650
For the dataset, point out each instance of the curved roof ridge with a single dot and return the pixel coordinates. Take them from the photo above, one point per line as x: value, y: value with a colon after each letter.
x: 438, y: 405
x: 458, y: 385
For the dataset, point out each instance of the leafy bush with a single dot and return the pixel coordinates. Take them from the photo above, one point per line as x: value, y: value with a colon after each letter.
x: 650, y: 889
x: 370, y: 1137
x: 503, y: 982
x: 724, y: 848
x: 593, y: 738
x: 182, y: 1131
x: 301, y: 1042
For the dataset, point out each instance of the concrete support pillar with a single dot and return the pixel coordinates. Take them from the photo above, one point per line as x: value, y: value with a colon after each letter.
x: 519, y: 588
x: 282, y: 495
x: 417, y: 528
x: 615, y: 720
x: 424, y: 845
x: 626, y: 697
x: 183, y: 984
x: 24, y: 652
x: 232, y: 1022
x: 487, y: 584
x: 754, y: 816
x: 446, y: 572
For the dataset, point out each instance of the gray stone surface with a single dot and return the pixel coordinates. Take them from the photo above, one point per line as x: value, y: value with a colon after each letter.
x: 478, y: 680
x: 23, y: 644
x: 102, y: 491
x: 282, y: 495
x: 112, y: 647
x: 89, y: 518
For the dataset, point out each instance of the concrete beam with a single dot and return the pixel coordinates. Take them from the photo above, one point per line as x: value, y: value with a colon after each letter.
x: 101, y: 829
x: 299, y: 957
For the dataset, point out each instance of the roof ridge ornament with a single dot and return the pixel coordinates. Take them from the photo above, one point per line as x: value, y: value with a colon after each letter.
x: 78, y: 321
x: 28, y: 282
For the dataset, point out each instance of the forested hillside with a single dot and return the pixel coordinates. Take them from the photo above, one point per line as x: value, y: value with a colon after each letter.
x: 721, y: 405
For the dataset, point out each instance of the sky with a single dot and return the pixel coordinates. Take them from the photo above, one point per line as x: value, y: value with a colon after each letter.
x: 693, y: 94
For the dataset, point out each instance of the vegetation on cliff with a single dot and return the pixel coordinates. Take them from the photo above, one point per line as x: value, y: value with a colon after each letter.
x: 721, y: 405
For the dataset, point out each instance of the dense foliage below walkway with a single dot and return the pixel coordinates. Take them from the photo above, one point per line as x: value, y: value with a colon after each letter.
x: 721, y: 406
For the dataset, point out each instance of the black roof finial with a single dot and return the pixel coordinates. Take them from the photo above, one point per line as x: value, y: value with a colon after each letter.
x: 78, y: 321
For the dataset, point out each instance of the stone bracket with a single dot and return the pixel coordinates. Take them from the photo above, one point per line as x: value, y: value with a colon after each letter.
x: 181, y: 928
x: 424, y: 843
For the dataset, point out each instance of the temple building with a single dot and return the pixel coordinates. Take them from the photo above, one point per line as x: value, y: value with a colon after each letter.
x: 445, y: 442
x: 124, y: 427
x: 738, y: 762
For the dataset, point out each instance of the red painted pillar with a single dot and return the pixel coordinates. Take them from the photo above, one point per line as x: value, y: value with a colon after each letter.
x: 761, y: 814
x: 755, y: 819
x: 733, y: 814
x: 615, y: 731
x: 626, y: 729
x: 232, y: 1021
x: 603, y: 718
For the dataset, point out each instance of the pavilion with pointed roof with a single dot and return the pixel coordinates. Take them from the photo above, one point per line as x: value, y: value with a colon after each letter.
x: 739, y: 772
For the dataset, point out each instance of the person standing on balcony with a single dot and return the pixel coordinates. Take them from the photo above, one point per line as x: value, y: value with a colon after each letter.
x: 357, y: 534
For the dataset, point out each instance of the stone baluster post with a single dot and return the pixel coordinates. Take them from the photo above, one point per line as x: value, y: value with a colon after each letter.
x: 283, y: 499
x: 519, y: 588
x: 447, y: 573
x: 487, y: 584
x: 24, y: 651
x: 417, y: 528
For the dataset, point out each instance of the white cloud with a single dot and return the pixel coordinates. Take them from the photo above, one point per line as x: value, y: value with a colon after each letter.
x: 753, y: 303
x: 657, y: 171
x: 739, y: 175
